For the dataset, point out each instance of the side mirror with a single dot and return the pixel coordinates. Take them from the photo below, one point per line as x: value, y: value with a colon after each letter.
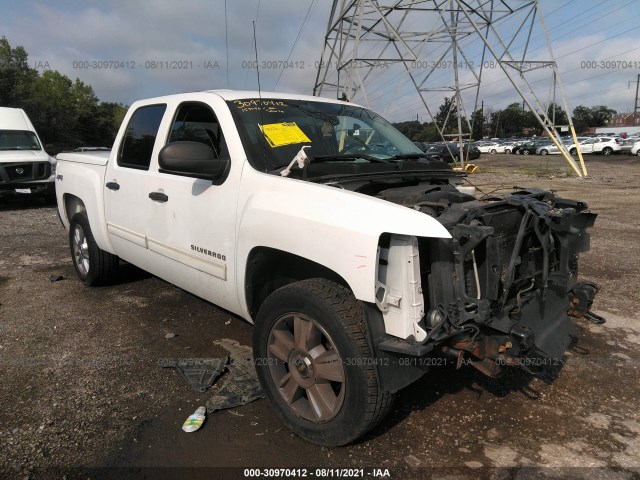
x: 192, y: 159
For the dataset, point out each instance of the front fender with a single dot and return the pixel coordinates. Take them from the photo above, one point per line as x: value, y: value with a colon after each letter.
x: 330, y: 226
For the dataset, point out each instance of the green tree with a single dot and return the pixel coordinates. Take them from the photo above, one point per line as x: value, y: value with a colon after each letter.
x: 600, y: 115
x: 595, y: 116
x: 446, y: 118
x: 478, y: 121
x: 582, y: 118
x: 556, y: 114
x: 16, y: 78
x: 66, y: 113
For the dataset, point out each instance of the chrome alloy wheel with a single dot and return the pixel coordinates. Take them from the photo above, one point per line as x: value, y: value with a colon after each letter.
x: 81, y: 250
x: 306, y: 368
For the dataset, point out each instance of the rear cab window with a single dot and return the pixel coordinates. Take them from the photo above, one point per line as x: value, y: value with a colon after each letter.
x: 137, y: 145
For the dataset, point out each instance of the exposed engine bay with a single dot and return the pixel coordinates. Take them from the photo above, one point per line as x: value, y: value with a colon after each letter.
x: 500, y: 292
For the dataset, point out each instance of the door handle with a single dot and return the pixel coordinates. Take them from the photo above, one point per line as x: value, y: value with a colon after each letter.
x: 113, y: 185
x: 158, y: 197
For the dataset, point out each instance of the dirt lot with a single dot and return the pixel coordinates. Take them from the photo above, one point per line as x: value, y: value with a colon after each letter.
x: 82, y: 389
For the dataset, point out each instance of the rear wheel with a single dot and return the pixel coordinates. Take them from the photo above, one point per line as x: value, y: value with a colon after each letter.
x: 607, y: 151
x: 315, y: 364
x: 544, y: 151
x: 525, y: 152
x: 573, y: 152
x: 506, y: 150
x: 493, y: 151
x: 93, y: 265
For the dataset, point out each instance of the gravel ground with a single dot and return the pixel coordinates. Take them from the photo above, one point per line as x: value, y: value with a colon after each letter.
x: 83, y: 395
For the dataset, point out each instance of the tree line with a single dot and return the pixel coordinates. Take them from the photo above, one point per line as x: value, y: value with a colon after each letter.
x: 512, y: 121
x: 66, y: 113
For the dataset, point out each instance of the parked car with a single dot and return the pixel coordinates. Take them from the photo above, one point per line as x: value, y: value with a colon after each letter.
x: 627, y: 145
x: 449, y: 152
x: 509, y: 146
x: 446, y: 153
x: 603, y: 145
x: 471, y: 152
x: 490, y: 147
x: 527, y: 148
x: 551, y: 148
x: 635, y: 150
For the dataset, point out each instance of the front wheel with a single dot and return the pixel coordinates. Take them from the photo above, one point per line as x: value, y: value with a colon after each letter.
x: 315, y: 364
x: 493, y: 151
x: 93, y: 265
x: 573, y: 152
x: 543, y: 151
x: 607, y: 151
x: 525, y: 152
x: 506, y: 150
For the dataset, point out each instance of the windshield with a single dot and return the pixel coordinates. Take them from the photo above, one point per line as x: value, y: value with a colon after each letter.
x: 273, y: 131
x: 18, y: 140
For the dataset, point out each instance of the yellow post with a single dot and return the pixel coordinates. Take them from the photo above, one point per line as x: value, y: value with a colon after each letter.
x: 579, y: 150
x: 562, y: 149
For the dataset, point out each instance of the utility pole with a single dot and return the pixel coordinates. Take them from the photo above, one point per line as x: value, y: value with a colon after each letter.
x: 635, y: 104
x: 364, y: 35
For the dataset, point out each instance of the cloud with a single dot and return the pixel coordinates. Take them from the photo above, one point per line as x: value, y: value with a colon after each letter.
x: 165, y: 47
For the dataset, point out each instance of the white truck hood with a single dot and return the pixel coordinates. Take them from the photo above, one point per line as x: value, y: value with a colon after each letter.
x: 12, y: 156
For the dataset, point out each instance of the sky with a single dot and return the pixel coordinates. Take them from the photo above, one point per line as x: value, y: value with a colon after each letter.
x: 128, y: 50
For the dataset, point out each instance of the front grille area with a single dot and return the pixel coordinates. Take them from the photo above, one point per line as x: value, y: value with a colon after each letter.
x: 24, y: 172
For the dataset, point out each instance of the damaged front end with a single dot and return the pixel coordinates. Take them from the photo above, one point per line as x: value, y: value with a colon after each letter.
x: 498, y: 293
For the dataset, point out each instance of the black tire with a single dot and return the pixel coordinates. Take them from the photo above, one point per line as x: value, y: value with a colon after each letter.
x: 573, y: 152
x: 638, y: 153
x: 92, y: 265
x: 525, y: 152
x: 330, y: 402
x: 544, y: 151
x: 607, y: 151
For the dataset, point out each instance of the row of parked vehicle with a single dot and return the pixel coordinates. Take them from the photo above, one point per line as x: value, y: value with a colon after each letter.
x: 605, y: 145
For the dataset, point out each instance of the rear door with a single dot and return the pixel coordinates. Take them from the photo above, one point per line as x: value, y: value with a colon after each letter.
x: 127, y: 183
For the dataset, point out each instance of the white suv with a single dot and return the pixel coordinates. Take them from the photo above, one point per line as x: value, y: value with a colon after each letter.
x: 603, y: 145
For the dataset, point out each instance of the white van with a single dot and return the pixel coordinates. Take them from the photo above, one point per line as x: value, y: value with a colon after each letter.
x: 25, y: 168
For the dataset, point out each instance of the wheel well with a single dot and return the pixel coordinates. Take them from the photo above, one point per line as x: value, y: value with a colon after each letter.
x: 268, y: 269
x: 72, y: 205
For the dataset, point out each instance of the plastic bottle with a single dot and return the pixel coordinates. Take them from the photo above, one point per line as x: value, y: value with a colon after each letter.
x: 195, y: 421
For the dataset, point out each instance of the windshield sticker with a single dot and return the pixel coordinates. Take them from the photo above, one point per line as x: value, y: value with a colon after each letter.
x: 286, y: 133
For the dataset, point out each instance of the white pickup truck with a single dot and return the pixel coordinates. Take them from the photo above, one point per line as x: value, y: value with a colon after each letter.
x: 361, y: 262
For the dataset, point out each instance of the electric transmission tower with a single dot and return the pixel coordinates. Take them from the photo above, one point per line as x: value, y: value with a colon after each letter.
x: 374, y: 48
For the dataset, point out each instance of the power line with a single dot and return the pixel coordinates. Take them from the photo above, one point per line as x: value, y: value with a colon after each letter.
x: 306, y: 17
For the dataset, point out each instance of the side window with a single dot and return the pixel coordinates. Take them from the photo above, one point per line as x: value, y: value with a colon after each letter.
x: 196, y: 122
x: 138, y: 142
